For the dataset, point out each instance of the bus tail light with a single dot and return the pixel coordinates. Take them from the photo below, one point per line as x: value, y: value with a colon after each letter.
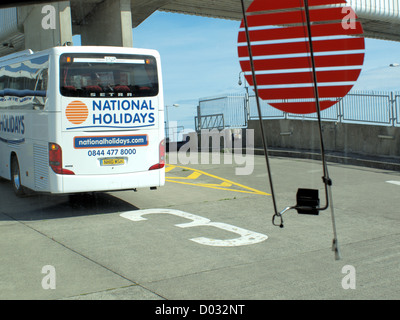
x: 55, y: 159
x: 161, y: 161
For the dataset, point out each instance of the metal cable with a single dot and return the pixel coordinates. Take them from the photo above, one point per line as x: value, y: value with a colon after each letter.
x: 264, y: 139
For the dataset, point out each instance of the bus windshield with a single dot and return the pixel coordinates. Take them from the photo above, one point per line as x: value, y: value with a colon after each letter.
x: 101, y: 75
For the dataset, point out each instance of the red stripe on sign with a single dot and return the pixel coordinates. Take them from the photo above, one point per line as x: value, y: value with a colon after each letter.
x: 312, y: 3
x: 331, y: 14
x: 339, y: 60
x: 333, y: 29
x: 302, y: 107
x: 287, y: 4
x: 277, y: 64
x: 303, y: 47
x: 274, y: 49
x: 338, y: 75
x: 274, y: 34
x: 303, y: 93
x: 304, y: 77
x: 282, y: 18
x: 339, y: 44
x: 319, y: 30
x: 275, y: 19
x: 305, y: 62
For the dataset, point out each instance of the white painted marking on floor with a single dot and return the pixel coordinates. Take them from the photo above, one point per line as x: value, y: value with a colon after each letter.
x: 394, y: 182
x: 247, y: 237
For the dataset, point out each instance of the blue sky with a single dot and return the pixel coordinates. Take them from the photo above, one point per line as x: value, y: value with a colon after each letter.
x: 199, y: 59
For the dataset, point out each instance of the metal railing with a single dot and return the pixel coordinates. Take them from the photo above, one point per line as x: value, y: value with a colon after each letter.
x: 232, y: 107
x: 375, y: 108
x: 396, y: 115
x: 210, y: 121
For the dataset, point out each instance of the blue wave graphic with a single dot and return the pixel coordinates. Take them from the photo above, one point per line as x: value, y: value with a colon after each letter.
x: 114, y: 127
x: 12, y: 141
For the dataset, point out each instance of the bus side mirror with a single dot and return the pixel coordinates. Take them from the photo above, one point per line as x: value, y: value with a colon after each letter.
x: 307, y: 201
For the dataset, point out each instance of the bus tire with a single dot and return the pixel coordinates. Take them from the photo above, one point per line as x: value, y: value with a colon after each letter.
x: 16, y: 177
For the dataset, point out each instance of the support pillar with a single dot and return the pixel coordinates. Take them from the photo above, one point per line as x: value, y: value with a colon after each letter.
x: 109, y: 25
x: 46, y: 25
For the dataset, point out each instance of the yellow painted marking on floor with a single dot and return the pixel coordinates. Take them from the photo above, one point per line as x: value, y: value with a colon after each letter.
x: 222, y: 186
x: 192, y: 176
x: 168, y: 168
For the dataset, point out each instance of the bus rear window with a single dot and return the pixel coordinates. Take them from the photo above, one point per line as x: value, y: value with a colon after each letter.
x: 101, y: 75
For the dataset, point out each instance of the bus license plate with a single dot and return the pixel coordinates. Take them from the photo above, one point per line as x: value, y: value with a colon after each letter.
x: 112, y: 162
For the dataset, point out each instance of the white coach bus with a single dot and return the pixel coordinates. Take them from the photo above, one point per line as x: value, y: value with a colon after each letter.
x: 82, y: 119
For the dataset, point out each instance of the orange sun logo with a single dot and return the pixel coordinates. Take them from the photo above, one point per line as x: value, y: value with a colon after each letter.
x: 77, y: 112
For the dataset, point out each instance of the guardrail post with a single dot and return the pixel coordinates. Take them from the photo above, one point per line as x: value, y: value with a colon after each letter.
x: 340, y: 111
x: 396, y: 108
x: 392, y: 109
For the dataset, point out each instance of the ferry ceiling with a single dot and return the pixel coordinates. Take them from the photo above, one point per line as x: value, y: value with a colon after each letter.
x: 380, y: 18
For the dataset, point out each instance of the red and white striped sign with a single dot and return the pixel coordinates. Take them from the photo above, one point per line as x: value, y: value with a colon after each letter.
x: 280, y: 48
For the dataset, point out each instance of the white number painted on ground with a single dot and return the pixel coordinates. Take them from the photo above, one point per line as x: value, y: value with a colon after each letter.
x: 394, y: 182
x: 246, y: 237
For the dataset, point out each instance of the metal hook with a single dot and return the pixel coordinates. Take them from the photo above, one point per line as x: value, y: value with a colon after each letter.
x: 280, y: 216
x: 273, y: 220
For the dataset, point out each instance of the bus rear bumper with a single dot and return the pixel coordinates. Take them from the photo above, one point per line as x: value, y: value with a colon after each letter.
x: 125, y: 181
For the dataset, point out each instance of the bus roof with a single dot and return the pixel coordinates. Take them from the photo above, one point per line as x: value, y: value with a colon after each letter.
x: 102, y: 49
x: 16, y: 55
x: 76, y: 49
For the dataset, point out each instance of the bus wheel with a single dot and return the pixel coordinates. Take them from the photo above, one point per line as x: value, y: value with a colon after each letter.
x: 16, y: 177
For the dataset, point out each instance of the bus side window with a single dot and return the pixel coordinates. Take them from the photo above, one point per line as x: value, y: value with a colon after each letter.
x: 2, y: 80
x: 40, y: 90
x: 45, y: 77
